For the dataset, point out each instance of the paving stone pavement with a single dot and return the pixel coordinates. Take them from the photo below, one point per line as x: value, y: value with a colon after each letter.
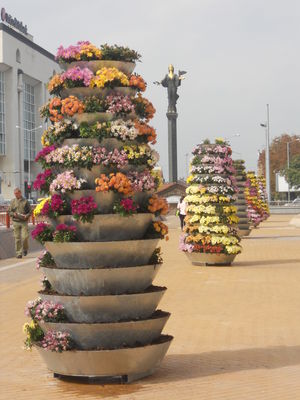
x: 236, y: 329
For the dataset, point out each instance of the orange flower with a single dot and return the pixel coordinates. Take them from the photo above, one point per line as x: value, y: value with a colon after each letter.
x: 138, y: 82
x: 145, y: 106
x: 145, y: 129
x: 117, y: 182
x: 158, y: 205
x: 71, y: 105
x: 161, y: 228
x: 55, y: 109
x: 54, y: 83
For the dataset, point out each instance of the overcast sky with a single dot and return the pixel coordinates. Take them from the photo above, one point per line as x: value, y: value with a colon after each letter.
x: 239, y: 54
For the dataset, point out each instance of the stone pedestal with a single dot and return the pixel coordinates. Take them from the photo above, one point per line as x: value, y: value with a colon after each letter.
x: 172, y: 145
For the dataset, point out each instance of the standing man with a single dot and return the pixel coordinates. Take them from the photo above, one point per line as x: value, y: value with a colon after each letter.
x: 19, y: 210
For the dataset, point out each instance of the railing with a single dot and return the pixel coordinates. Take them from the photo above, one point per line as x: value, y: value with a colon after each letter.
x: 5, y: 220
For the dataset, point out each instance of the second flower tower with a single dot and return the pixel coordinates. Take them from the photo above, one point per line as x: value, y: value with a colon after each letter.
x: 211, y: 233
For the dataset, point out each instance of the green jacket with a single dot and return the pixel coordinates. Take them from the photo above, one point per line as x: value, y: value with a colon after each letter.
x: 22, y: 209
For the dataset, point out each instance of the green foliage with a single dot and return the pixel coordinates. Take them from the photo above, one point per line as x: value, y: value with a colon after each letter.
x: 34, y: 333
x: 119, y: 53
x: 93, y: 104
x: 292, y: 174
x: 97, y: 130
x: 156, y: 257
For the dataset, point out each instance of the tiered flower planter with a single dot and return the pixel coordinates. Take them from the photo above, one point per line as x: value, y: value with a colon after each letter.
x: 211, y: 236
x: 254, y: 208
x: 240, y: 203
x: 103, y: 279
x: 263, y: 196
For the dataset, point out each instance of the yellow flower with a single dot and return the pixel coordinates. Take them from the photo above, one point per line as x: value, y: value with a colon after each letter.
x: 40, y: 206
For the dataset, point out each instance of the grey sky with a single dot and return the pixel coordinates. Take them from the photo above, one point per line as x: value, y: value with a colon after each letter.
x: 239, y: 54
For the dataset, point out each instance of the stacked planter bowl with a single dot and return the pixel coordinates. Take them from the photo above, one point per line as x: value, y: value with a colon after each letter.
x: 240, y: 203
x: 104, y: 280
x: 210, y: 233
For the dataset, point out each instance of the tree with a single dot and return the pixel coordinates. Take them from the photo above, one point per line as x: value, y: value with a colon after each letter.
x: 292, y: 174
x: 278, y: 156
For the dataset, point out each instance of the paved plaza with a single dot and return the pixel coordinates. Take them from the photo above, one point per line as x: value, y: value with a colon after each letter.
x: 236, y: 329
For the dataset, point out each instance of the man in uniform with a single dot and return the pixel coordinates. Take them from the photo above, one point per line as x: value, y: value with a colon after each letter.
x: 19, y: 211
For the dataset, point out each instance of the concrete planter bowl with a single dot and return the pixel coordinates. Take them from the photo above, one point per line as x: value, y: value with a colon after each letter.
x: 114, y: 334
x: 108, y: 227
x: 95, y: 65
x: 127, y: 253
x: 91, y: 118
x: 244, y: 232
x: 210, y: 259
x: 101, y: 281
x: 105, y: 200
x: 129, y: 364
x: 91, y: 174
x: 101, y: 93
x: 81, y: 142
x: 243, y: 220
x: 109, y: 143
x: 109, y: 308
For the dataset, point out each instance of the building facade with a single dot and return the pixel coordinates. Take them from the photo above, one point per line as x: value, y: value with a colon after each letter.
x: 25, y: 69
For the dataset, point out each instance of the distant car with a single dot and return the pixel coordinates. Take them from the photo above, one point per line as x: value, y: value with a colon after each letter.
x: 294, y: 203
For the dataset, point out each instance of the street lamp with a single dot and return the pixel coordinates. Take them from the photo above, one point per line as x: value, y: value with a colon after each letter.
x: 288, y: 162
x: 267, y: 153
x: 28, y: 153
x: 187, y: 164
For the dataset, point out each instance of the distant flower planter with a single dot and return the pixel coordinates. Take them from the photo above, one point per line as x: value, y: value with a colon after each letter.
x: 210, y: 259
x: 95, y: 65
x: 244, y: 232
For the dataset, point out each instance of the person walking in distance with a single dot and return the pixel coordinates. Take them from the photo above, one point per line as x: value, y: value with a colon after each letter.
x: 19, y: 211
x: 181, y: 207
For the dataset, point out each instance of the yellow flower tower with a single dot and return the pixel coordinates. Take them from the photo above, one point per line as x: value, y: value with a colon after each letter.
x: 211, y: 236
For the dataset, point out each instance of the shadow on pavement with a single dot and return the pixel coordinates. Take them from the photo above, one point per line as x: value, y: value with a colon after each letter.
x: 264, y: 262
x: 177, y: 367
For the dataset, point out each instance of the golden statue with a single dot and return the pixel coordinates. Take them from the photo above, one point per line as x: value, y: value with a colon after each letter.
x: 171, y: 81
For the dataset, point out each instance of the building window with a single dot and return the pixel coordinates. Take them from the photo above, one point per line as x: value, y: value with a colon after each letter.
x: 2, y: 114
x: 18, y: 56
x: 29, y: 122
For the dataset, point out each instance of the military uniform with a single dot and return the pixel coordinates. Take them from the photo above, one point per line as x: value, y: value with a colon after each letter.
x: 19, y: 211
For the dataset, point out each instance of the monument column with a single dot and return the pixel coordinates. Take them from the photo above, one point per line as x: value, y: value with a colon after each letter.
x: 172, y: 145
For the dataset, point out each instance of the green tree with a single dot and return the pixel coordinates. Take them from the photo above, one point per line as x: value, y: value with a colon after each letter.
x: 278, y: 156
x: 292, y: 174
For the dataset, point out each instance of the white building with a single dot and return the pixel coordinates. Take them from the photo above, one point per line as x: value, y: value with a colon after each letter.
x: 25, y: 69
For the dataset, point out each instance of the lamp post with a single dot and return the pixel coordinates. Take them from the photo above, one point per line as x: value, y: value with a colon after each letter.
x: 267, y: 153
x: 288, y: 162
x: 187, y: 164
x: 28, y: 151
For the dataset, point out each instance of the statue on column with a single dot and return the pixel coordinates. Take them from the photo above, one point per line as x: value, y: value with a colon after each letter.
x: 171, y: 81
